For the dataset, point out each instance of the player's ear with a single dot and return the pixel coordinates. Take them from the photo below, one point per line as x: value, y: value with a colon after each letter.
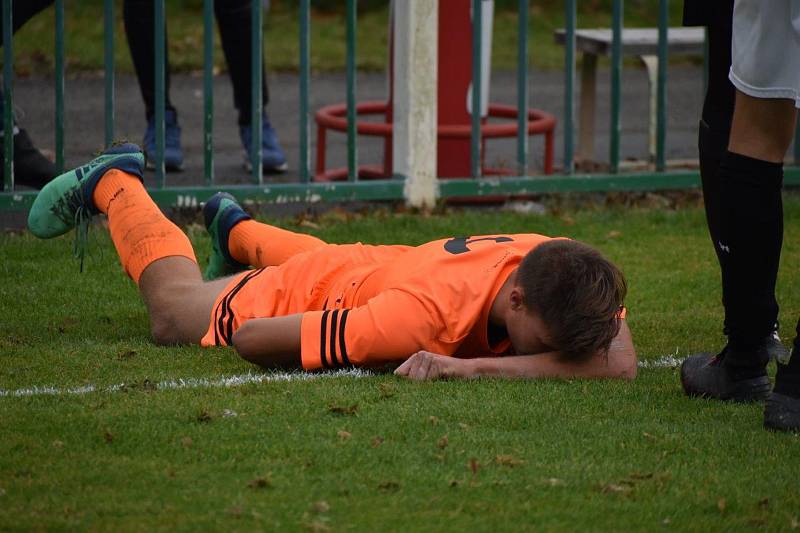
x: 517, y: 299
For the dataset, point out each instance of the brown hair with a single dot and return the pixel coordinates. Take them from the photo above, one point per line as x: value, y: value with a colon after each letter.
x: 577, y: 292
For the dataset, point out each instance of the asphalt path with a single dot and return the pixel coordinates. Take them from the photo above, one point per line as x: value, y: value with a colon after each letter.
x: 84, y: 117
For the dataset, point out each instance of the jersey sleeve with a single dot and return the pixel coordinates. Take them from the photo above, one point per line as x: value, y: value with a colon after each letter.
x: 391, y: 327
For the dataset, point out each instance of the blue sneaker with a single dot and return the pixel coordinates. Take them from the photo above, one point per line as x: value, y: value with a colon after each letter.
x: 272, y: 156
x: 221, y: 213
x: 66, y: 201
x: 173, y: 153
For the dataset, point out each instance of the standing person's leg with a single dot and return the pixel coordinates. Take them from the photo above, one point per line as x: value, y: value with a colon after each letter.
x: 715, y: 124
x: 237, y: 241
x: 138, y: 16
x: 155, y: 253
x: 234, y: 19
x: 750, y: 205
x: 31, y: 167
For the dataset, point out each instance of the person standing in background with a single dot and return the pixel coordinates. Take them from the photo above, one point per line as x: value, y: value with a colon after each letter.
x: 31, y: 167
x: 234, y: 20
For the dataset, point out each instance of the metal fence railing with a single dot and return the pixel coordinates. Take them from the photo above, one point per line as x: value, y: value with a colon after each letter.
x: 307, y: 190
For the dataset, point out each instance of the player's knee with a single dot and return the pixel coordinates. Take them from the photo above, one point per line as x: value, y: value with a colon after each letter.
x: 164, y: 328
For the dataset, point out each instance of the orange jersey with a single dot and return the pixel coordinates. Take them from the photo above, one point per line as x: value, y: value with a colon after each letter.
x: 369, y: 305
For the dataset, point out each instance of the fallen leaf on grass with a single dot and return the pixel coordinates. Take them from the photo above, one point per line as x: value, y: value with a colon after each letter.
x: 186, y: 442
x: 721, y: 505
x: 442, y: 443
x: 377, y: 441
x: 648, y: 436
x: 320, y: 506
x: 343, y: 409
x: 262, y: 482
x: 433, y: 420
x: 108, y: 437
x: 388, y: 486
x: 474, y: 465
x: 344, y: 435
x: 387, y: 390
x: 508, y: 460
x: 58, y: 444
x: 555, y: 482
x: 126, y: 354
x: 666, y: 521
x: 794, y: 523
x: 613, y: 234
x: 317, y: 526
x: 305, y: 223
x: 613, y: 488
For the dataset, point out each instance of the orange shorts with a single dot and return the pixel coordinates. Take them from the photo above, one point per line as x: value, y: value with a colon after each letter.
x: 329, y: 277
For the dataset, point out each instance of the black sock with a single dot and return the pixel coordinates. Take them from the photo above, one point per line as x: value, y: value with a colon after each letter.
x: 749, y: 248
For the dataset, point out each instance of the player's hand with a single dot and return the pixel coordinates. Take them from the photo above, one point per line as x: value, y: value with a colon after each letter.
x: 426, y: 365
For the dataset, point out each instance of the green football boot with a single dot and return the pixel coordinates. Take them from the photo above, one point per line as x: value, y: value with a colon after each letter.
x: 221, y: 213
x: 66, y: 202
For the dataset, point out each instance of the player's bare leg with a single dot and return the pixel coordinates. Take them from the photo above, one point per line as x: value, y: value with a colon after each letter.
x: 155, y: 253
x: 762, y: 128
x: 749, y: 246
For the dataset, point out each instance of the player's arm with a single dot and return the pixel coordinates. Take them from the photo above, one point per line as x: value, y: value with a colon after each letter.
x: 270, y: 342
x: 389, y: 328
x: 619, y: 363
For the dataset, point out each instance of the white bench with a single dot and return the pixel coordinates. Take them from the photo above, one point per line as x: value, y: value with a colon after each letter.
x: 642, y: 42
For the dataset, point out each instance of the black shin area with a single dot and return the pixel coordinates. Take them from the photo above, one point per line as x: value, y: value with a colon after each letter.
x: 749, y: 249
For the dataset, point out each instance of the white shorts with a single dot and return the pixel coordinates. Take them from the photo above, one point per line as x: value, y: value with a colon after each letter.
x: 765, y: 58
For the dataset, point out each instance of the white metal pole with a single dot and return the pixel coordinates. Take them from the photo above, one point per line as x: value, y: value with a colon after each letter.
x: 415, y: 93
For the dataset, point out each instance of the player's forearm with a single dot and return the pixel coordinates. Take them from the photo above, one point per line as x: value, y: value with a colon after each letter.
x: 270, y: 342
x: 619, y: 363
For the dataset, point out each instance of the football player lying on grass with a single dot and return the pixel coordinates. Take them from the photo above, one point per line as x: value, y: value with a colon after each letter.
x: 499, y: 305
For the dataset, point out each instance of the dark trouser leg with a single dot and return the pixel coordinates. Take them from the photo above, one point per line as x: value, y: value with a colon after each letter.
x: 32, y: 168
x: 23, y: 10
x: 139, y: 21
x: 234, y: 19
x: 715, y: 126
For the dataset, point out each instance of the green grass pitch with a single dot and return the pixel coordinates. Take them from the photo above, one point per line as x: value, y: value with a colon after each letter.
x: 377, y: 452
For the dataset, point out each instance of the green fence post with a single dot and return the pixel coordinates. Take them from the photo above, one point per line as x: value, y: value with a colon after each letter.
x: 570, y: 15
x: 352, y: 155
x: 59, y: 82
x: 160, y: 61
x: 108, y: 60
x: 475, y: 138
x: 8, y: 102
x: 255, y: 83
x: 616, y: 84
x: 522, y: 88
x: 208, y: 91
x: 661, y: 95
x: 305, y: 74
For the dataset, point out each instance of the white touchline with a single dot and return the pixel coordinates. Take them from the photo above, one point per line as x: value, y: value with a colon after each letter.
x: 667, y: 361
x: 188, y: 383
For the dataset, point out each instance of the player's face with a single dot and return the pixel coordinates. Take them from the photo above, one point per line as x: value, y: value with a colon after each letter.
x: 527, y: 333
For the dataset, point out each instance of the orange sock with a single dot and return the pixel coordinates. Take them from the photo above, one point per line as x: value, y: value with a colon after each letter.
x: 140, y: 231
x: 261, y: 245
